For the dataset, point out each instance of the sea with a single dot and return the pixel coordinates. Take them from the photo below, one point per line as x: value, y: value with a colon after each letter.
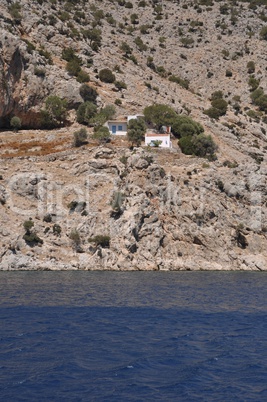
x: 133, y: 336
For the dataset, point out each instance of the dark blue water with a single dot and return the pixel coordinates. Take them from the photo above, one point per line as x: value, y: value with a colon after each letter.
x: 114, y: 336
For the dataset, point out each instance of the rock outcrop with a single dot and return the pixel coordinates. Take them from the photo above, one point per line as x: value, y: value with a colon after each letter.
x: 181, y: 214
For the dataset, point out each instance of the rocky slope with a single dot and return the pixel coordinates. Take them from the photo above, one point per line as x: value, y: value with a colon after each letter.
x: 160, y: 209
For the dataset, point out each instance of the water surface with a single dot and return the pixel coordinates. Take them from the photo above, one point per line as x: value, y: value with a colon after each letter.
x: 139, y: 336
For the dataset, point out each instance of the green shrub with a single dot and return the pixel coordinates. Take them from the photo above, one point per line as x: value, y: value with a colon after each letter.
x: 55, y: 112
x: 251, y: 67
x: 204, y: 145
x: 30, y: 46
x: 200, y: 145
x: 14, y: 10
x: 185, y: 143
x: 57, y: 229
x: 29, y: 236
x: 46, y: 54
x: 118, y: 102
x: 126, y: 49
x: 216, y: 95
x: 182, y: 82
x: 261, y: 102
x: 159, y: 115
x: 140, y: 44
x: 75, y: 239
x: 80, y: 137
x: 263, y: 33
x: 32, y: 238
x: 187, y: 41
x: 39, y: 71
x: 94, y: 36
x: 100, y: 118
x: 85, y: 112
x: 134, y: 19
x: 73, y: 67
x: 144, y: 29
x: 100, y: 240
x: 72, y: 205
x: 15, y: 123
x: 120, y: 85
x: 68, y: 54
x: 47, y: 218
x: 83, y: 76
x: 102, y: 134
x: 106, y: 75
x: 253, y: 83
x: 219, y: 106
x: 28, y: 225
x: 136, y: 131
x: 128, y: 4
x: 257, y: 93
x: 184, y: 126
x: 88, y: 93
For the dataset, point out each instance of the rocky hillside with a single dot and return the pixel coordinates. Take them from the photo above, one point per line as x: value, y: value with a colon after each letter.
x: 112, y: 208
x: 206, y: 45
x: 108, y: 207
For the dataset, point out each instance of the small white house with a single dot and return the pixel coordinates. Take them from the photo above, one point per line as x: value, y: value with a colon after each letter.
x: 117, y: 127
x: 152, y: 138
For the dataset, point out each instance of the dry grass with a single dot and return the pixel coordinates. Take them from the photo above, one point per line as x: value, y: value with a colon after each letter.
x: 32, y: 148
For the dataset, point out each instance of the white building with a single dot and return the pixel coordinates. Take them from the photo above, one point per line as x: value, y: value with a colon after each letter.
x: 117, y: 127
x: 152, y: 138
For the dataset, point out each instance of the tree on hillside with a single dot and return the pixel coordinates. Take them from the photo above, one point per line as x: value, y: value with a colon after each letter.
x: 80, y: 137
x: 159, y: 115
x: 101, y: 117
x: 136, y: 131
x: 183, y: 126
x: 102, y: 134
x: 106, y: 75
x: 218, y: 106
x: 55, y: 112
x: 85, y: 112
x: 88, y: 93
x: 200, y: 145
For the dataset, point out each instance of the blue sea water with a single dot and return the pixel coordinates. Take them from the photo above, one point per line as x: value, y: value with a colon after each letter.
x: 138, y: 336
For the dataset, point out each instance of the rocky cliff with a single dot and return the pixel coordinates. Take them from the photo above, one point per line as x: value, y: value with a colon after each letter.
x: 109, y: 207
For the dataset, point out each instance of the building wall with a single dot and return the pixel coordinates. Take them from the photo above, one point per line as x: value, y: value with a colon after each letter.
x: 166, y: 141
x: 117, y: 128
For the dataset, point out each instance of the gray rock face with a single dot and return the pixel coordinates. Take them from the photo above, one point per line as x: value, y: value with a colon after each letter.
x: 157, y: 217
x: 23, y: 92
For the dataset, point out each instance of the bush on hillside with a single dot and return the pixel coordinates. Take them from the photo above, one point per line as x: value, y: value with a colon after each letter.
x: 136, y: 131
x: 80, y: 137
x: 200, y: 145
x: 102, y: 134
x: 55, y: 112
x: 88, y: 93
x: 15, y: 123
x: 159, y: 115
x: 183, y: 126
x: 85, y: 112
x: 106, y: 75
